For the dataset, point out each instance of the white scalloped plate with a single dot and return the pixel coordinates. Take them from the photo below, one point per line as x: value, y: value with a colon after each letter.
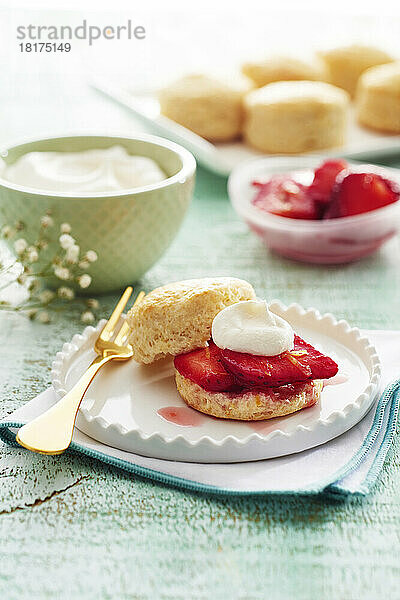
x: 120, y: 407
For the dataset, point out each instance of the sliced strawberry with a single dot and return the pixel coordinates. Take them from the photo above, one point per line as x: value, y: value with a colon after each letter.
x: 283, y: 196
x: 357, y: 193
x: 324, y: 179
x: 303, y: 363
x: 204, y: 367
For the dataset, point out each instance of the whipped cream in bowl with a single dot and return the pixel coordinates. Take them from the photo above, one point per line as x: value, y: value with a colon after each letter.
x: 89, y: 171
x: 123, y: 197
x: 250, y: 327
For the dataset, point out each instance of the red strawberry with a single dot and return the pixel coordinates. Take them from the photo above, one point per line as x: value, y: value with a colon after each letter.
x: 357, y: 193
x: 205, y: 368
x: 301, y: 364
x: 285, y: 197
x: 324, y: 179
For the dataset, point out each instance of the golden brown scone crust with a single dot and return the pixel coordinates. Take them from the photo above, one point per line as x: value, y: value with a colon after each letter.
x: 211, y: 108
x: 296, y: 116
x: 248, y: 406
x: 177, y: 317
x: 378, y: 98
x: 283, y: 68
x: 346, y: 64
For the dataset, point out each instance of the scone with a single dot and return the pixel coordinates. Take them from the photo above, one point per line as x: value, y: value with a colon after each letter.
x: 378, y: 98
x: 283, y: 68
x: 213, y: 109
x: 235, y: 385
x: 345, y: 65
x: 177, y: 317
x: 260, y: 368
x: 295, y: 116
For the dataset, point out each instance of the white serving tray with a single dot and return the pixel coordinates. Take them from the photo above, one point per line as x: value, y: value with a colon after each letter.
x: 223, y: 158
x: 120, y: 407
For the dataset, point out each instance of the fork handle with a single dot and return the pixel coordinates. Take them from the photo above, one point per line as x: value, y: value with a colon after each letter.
x: 51, y: 432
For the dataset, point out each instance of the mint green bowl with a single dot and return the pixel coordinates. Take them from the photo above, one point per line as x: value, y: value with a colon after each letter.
x: 129, y: 230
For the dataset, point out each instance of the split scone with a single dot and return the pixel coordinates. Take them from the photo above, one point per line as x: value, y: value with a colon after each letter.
x: 177, y: 317
x: 344, y: 65
x: 233, y: 358
x: 296, y: 116
x: 283, y: 68
x: 378, y: 98
x: 211, y: 108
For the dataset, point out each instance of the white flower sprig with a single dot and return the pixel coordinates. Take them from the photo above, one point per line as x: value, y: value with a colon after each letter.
x: 68, y: 265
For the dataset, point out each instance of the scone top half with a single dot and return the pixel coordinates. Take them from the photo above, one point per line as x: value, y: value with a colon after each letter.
x: 177, y: 318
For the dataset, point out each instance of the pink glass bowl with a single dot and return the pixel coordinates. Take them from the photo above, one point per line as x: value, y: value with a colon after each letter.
x: 332, y: 241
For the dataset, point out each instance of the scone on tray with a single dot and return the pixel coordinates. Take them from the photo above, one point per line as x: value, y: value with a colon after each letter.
x: 344, y: 65
x: 233, y: 358
x: 283, y: 68
x: 378, y: 98
x: 210, y: 107
x: 296, y: 116
x: 177, y: 317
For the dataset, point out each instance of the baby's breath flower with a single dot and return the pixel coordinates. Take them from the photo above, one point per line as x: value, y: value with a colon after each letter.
x: 93, y: 303
x: 72, y: 254
x: 34, y: 285
x: 87, y: 316
x: 66, y: 292
x: 6, y: 232
x: 65, y: 263
x: 42, y: 244
x: 61, y: 272
x: 66, y: 241
x: 46, y: 221
x: 43, y: 316
x: 32, y: 254
x: 46, y: 296
x: 20, y: 246
x: 91, y: 256
x: 84, y: 280
x: 84, y: 264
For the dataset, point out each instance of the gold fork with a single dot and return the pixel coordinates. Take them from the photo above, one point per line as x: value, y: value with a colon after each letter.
x: 51, y: 432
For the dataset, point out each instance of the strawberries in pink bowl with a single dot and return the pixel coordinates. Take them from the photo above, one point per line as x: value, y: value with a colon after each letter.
x: 315, y: 211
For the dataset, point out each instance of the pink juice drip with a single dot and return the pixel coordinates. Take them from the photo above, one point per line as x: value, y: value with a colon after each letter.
x: 181, y: 415
x: 336, y: 380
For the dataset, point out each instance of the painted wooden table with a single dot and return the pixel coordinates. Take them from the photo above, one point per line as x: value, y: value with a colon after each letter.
x: 73, y: 528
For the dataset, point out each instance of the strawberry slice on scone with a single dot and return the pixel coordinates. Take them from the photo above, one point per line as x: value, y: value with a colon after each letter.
x: 214, y: 369
x: 204, y: 367
x: 301, y: 364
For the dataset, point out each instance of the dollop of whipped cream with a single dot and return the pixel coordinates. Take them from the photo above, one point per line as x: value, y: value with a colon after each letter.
x: 99, y: 170
x: 250, y: 327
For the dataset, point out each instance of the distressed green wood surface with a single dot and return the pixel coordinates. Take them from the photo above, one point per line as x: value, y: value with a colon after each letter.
x: 73, y: 528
